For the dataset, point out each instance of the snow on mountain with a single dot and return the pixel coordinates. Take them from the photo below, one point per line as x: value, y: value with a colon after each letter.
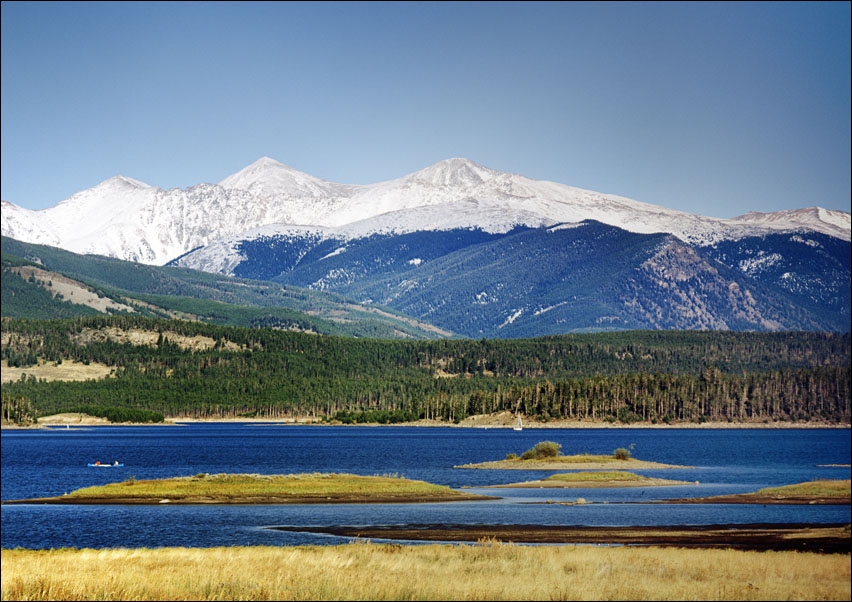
x: 485, y: 214
x: 27, y: 225
x: 303, y: 198
x: 128, y: 219
x: 82, y: 218
x: 827, y: 221
x: 471, y: 195
x: 223, y: 255
x: 268, y: 178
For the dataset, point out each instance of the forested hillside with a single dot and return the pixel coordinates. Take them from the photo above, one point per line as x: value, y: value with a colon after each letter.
x: 586, y: 277
x: 166, y: 292
x: 191, y: 369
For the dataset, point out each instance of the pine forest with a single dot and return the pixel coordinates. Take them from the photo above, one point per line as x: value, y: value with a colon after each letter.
x: 161, y: 369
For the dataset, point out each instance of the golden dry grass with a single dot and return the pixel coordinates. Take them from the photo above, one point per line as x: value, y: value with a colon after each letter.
x: 68, y: 370
x: 367, y: 571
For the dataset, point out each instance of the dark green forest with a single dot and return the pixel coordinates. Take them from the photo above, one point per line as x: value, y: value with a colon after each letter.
x: 626, y: 377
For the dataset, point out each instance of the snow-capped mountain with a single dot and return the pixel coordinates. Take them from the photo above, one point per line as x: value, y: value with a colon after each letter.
x: 473, y: 250
x: 466, y: 194
x: 128, y: 219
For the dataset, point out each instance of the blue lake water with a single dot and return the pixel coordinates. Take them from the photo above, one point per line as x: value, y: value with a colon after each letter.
x: 50, y: 462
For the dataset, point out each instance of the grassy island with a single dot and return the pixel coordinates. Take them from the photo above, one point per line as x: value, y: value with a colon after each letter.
x: 603, y: 478
x: 547, y: 455
x: 322, y: 488
x: 840, y: 489
x: 821, y: 491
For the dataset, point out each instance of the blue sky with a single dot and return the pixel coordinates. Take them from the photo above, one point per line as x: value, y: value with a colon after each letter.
x: 712, y: 108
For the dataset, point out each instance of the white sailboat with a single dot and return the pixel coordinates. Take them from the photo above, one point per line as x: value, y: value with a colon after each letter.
x: 520, y: 425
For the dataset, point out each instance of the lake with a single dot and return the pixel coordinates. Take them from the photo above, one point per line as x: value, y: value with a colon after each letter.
x: 53, y: 461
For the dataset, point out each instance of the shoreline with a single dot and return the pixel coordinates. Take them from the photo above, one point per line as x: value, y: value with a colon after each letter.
x: 290, y: 499
x: 802, y: 537
x: 505, y: 420
x: 498, y: 421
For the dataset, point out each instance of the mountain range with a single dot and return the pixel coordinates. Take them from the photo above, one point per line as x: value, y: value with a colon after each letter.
x: 475, y: 251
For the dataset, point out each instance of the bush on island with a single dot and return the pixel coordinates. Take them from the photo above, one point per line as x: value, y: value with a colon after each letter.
x: 621, y: 454
x: 541, y: 450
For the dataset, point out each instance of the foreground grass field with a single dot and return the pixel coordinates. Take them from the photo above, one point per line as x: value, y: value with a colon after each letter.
x: 372, y: 571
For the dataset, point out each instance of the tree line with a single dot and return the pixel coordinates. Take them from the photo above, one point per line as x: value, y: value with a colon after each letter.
x: 627, y: 377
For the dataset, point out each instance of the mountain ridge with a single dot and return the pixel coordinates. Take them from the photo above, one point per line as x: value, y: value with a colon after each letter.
x: 128, y: 219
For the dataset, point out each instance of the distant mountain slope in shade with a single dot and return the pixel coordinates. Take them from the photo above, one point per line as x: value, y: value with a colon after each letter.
x: 128, y: 219
x: 565, y: 278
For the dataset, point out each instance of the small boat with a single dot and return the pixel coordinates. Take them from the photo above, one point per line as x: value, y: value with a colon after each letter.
x: 115, y: 464
x: 519, y: 426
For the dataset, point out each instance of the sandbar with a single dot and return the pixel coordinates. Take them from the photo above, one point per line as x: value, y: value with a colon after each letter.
x: 588, y: 484
x: 803, y: 537
x: 753, y: 498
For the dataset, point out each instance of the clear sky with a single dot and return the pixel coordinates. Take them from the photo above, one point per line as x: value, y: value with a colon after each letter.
x: 712, y: 108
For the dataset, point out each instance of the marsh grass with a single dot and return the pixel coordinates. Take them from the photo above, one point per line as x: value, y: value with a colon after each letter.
x: 256, y: 485
x: 816, y: 488
x: 362, y: 570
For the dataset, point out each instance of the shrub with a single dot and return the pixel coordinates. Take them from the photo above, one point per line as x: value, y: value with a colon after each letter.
x: 621, y: 454
x: 512, y: 456
x: 541, y: 450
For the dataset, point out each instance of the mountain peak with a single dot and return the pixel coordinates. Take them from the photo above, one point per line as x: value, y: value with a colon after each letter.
x: 454, y: 172
x: 268, y: 175
x: 260, y: 168
x: 111, y: 188
x: 266, y: 163
x: 122, y: 182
